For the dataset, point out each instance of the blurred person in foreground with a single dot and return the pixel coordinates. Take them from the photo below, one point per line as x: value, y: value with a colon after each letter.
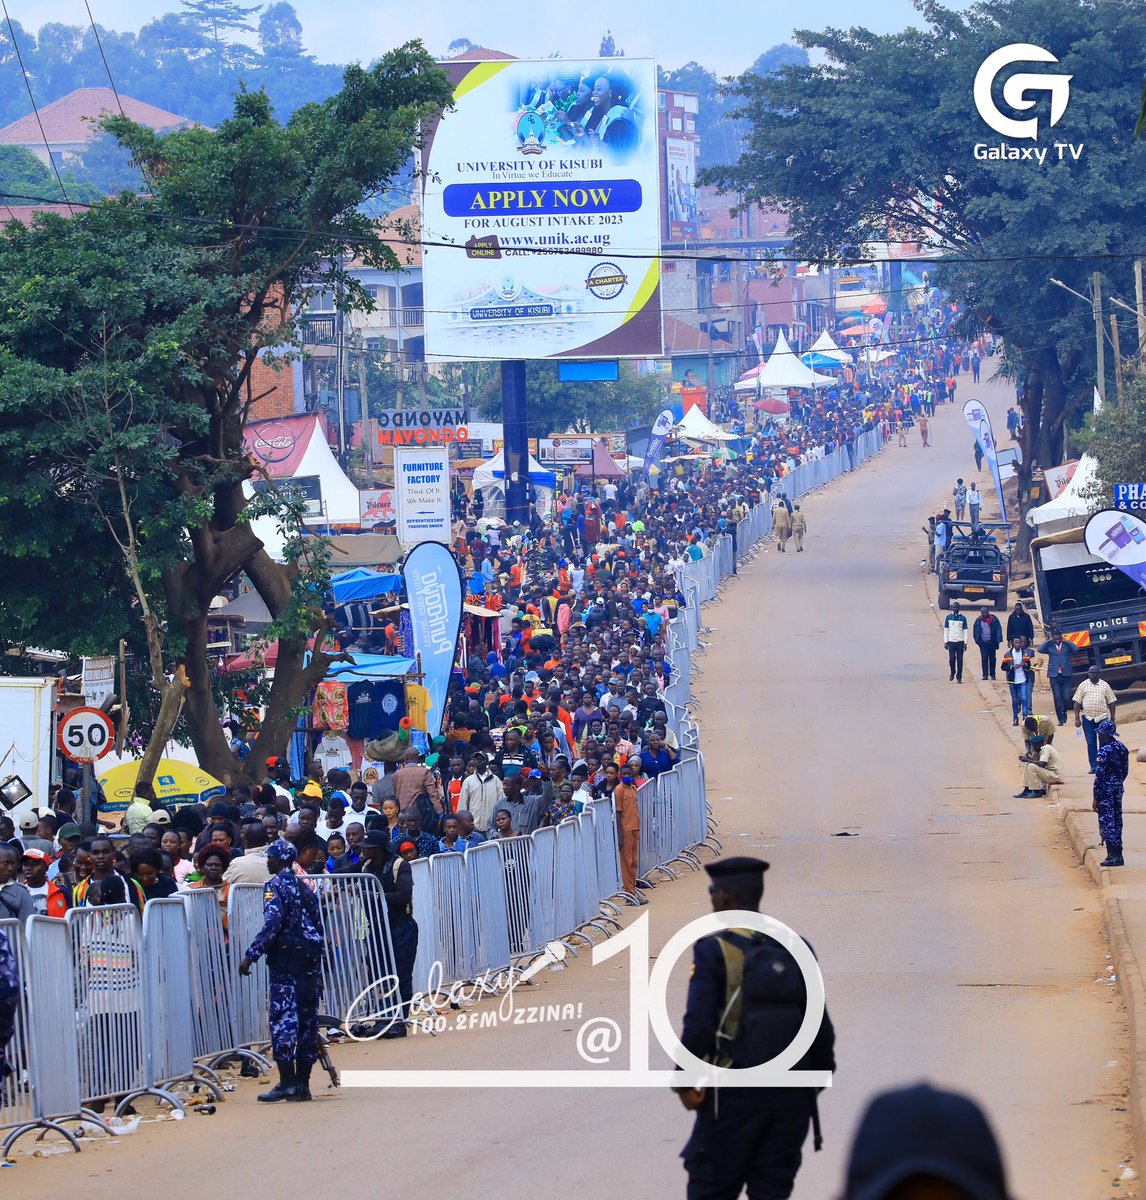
x: 922, y: 1143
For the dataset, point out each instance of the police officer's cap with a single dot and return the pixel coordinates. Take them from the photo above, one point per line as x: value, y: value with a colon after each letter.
x: 283, y: 850
x: 738, y: 872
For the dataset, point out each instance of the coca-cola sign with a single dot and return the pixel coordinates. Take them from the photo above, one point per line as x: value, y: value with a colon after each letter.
x: 273, y: 442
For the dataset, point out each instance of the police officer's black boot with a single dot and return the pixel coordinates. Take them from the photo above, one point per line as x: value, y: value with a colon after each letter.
x: 1113, y: 856
x: 301, y: 1082
x: 285, y: 1088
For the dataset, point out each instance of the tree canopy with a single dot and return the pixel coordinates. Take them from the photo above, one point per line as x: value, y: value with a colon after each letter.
x: 125, y: 365
x: 875, y: 143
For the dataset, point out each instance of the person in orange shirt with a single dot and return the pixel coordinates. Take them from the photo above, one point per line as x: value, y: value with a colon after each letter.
x: 629, y: 825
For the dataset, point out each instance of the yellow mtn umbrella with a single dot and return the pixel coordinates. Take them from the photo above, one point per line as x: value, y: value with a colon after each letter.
x: 175, y: 783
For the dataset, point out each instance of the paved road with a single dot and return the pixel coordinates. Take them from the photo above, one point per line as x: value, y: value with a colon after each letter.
x: 958, y: 938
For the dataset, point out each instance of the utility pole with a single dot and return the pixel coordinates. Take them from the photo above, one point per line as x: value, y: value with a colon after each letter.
x: 340, y: 371
x: 1117, y: 360
x: 367, y: 424
x: 1100, y: 346
x: 1140, y: 304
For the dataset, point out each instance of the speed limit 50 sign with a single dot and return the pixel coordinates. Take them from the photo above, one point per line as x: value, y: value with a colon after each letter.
x: 85, y: 734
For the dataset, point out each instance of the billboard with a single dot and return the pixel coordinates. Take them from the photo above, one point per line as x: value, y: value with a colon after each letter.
x: 564, y: 452
x: 376, y: 507
x: 540, y: 212
x: 422, y: 493
x: 680, y: 188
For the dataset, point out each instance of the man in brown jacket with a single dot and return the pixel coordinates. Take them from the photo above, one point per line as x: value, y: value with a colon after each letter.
x: 413, y: 778
x: 629, y: 824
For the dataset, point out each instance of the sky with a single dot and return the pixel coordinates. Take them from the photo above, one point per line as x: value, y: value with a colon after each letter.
x: 673, y: 32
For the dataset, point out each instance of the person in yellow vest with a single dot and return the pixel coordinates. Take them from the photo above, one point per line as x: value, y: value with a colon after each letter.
x: 799, y: 528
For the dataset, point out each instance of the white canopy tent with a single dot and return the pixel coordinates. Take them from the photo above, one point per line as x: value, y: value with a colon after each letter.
x: 785, y: 370
x: 1073, y: 502
x: 695, y: 426
x: 826, y: 346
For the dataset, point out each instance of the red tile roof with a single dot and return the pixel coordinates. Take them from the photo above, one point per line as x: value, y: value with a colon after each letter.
x: 25, y: 212
x: 71, y: 119
x: 481, y: 54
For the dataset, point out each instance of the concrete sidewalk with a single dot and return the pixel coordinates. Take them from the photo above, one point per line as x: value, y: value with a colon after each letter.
x: 1123, y: 889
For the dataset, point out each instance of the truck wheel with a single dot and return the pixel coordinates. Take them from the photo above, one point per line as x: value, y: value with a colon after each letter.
x: 1001, y: 602
x: 944, y: 600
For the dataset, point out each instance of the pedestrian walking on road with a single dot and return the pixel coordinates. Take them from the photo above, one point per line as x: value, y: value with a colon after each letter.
x: 955, y: 640
x: 1017, y: 667
x: 974, y: 502
x: 988, y: 635
x: 1019, y: 624
x: 781, y: 523
x: 924, y: 430
x: 1109, y: 778
x: 978, y: 457
x: 1060, y: 672
x: 746, y: 1000
x: 292, y: 941
x: 1094, y: 701
x: 959, y: 496
x: 799, y: 528
x: 919, y: 1142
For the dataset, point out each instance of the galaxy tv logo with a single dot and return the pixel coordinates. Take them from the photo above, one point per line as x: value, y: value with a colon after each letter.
x: 1017, y: 91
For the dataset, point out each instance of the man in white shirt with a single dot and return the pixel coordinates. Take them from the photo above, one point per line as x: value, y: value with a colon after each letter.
x: 481, y: 793
x: 251, y: 865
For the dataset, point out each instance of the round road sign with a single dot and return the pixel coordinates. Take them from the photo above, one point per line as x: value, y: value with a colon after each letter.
x: 85, y: 734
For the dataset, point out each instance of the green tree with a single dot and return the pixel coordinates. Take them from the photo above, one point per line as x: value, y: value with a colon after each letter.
x: 556, y: 407
x: 125, y: 381
x: 280, y: 32
x: 22, y: 174
x: 1117, y: 439
x: 875, y: 142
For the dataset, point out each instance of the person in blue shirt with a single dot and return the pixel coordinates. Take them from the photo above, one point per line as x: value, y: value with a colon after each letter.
x: 657, y: 758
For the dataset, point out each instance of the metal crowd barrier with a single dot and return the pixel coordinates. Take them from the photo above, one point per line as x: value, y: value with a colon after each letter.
x: 114, y: 1008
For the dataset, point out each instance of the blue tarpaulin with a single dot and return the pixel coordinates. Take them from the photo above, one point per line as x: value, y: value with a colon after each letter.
x: 368, y: 668
x: 362, y: 584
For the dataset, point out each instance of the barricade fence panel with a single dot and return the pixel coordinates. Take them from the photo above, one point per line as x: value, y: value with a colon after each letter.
x: 112, y: 1004
x: 16, y: 1095
x: 169, y: 1046
x: 107, y: 982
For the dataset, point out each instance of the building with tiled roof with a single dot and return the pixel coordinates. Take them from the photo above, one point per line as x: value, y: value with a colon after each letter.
x: 70, y: 122
x: 481, y: 54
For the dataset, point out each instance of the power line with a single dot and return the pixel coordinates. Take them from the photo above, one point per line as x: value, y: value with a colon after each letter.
x: 99, y: 44
x: 342, y: 237
x: 39, y: 122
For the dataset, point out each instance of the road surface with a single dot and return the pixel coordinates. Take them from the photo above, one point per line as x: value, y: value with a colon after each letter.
x: 958, y: 938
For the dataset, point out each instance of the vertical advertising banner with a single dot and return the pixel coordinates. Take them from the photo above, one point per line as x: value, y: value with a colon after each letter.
x: 434, y: 594
x: 680, y: 186
x: 1119, y: 538
x: 980, y: 423
x: 662, y: 426
x: 422, y: 493
x: 541, y: 212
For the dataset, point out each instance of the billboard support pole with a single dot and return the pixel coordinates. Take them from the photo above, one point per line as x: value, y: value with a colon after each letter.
x: 516, y: 434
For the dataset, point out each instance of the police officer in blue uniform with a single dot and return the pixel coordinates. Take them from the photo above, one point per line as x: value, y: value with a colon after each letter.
x: 1111, y: 768
x: 745, y: 1137
x: 292, y: 941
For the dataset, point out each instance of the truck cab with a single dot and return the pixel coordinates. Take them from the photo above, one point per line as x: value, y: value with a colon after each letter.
x: 1100, y: 610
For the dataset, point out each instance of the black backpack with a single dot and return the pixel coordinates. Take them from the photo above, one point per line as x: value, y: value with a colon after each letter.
x: 765, y: 1003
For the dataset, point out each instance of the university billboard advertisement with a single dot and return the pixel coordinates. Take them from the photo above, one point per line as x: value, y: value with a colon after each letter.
x: 540, y: 212
x: 680, y: 188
